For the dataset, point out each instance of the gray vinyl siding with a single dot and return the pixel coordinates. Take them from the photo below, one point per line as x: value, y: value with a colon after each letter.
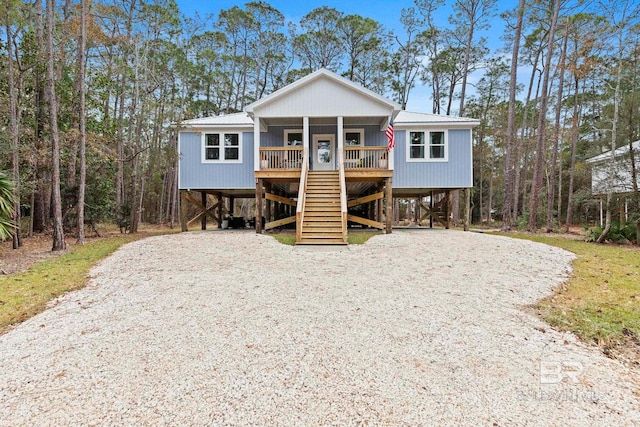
x: 197, y: 175
x: 454, y: 173
x: 373, y: 136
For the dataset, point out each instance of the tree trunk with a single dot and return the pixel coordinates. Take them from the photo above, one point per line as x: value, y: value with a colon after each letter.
x: 520, y: 144
x: 14, y: 130
x: 85, y: 5
x: 59, y: 243
x: 556, y: 136
x: 575, y: 134
x: 510, y: 189
x: 536, y: 183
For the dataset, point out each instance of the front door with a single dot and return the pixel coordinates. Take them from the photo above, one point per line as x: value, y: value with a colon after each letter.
x: 323, y: 152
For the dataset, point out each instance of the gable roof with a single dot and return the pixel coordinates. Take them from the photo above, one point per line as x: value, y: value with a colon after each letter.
x: 620, y: 151
x: 321, y: 74
x: 408, y: 118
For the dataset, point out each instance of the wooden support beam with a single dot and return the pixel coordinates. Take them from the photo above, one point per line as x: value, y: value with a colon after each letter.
x: 232, y: 202
x: 220, y: 209
x: 259, y: 206
x: 365, y: 199
x: 431, y: 207
x: 268, y: 204
x: 280, y: 222
x: 379, y: 205
x: 447, y: 210
x: 203, y: 219
x: 431, y: 214
x: 365, y: 221
x: 184, y: 210
x: 203, y: 210
x: 389, y: 201
x: 280, y: 199
x: 467, y: 208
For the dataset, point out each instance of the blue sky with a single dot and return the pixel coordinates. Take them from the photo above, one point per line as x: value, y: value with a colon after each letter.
x: 387, y: 12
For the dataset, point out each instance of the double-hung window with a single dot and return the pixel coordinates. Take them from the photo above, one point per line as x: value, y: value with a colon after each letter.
x: 221, y: 147
x: 427, y: 146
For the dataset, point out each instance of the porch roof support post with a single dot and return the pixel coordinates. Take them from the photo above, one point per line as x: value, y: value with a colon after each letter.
x: 340, y: 134
x: 305, y: 135
x: 256, y: 143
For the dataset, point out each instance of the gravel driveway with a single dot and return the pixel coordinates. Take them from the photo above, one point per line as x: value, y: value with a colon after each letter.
x: 211, y: 328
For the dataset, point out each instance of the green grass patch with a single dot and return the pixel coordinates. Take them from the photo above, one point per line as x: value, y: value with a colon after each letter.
x: 355, y: 238
x: 361, y: 237
x: 25, y: 294
x: 601, y: 301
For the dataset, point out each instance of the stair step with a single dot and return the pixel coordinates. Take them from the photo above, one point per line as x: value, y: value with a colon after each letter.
x: 326, y: 242
x: 322, y: 209
x: 330, y: 197
x: 335, y: 228
x: 319, y: 236
x: 321, y: 203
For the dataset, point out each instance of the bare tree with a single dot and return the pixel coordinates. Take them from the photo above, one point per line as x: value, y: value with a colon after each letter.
x: 556, y: 135
x: 58, y: 232
x: 536, y: 184
x: 82, y: 44
x: 509, y: 161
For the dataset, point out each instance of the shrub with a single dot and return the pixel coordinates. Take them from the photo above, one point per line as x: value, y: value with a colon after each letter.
x: 616, y: 234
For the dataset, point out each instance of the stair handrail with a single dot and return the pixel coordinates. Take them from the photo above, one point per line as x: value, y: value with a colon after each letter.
x: 343, y: 194
x: 302, y: 193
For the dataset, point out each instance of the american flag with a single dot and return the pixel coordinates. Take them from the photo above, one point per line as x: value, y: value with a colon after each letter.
x: 389, y: 133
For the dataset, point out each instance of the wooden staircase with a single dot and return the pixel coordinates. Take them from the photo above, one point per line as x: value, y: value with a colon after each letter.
x: 322, y: 220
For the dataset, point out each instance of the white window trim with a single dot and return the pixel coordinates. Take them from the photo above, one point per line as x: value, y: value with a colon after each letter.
x: 286, y: 136
x: 427, y: 146
x: 222, y: 133
x: 359, y: 130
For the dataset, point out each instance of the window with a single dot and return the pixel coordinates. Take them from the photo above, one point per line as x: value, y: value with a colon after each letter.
x: 228, y: 150
x: 427, y: 146
x: 436, y: 145
x: 212, y: 146
x: 231, y: 147
x: 353, y: 137
x: 293, y: 138
x: 416, y: 145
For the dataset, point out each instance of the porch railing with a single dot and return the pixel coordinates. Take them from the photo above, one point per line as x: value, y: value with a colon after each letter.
x: 302, y: 195
x: 281, y: 158
x: 343, y: 195
x: 356, y: 158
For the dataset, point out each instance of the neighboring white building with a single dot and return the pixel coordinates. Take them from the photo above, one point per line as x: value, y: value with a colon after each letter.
x: 622, y: 179
x: 623, y: 182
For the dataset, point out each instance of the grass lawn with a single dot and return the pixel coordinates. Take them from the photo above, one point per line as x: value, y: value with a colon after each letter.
x: 25, y: 294
x: 354, y: 238
x: 601, y: 301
